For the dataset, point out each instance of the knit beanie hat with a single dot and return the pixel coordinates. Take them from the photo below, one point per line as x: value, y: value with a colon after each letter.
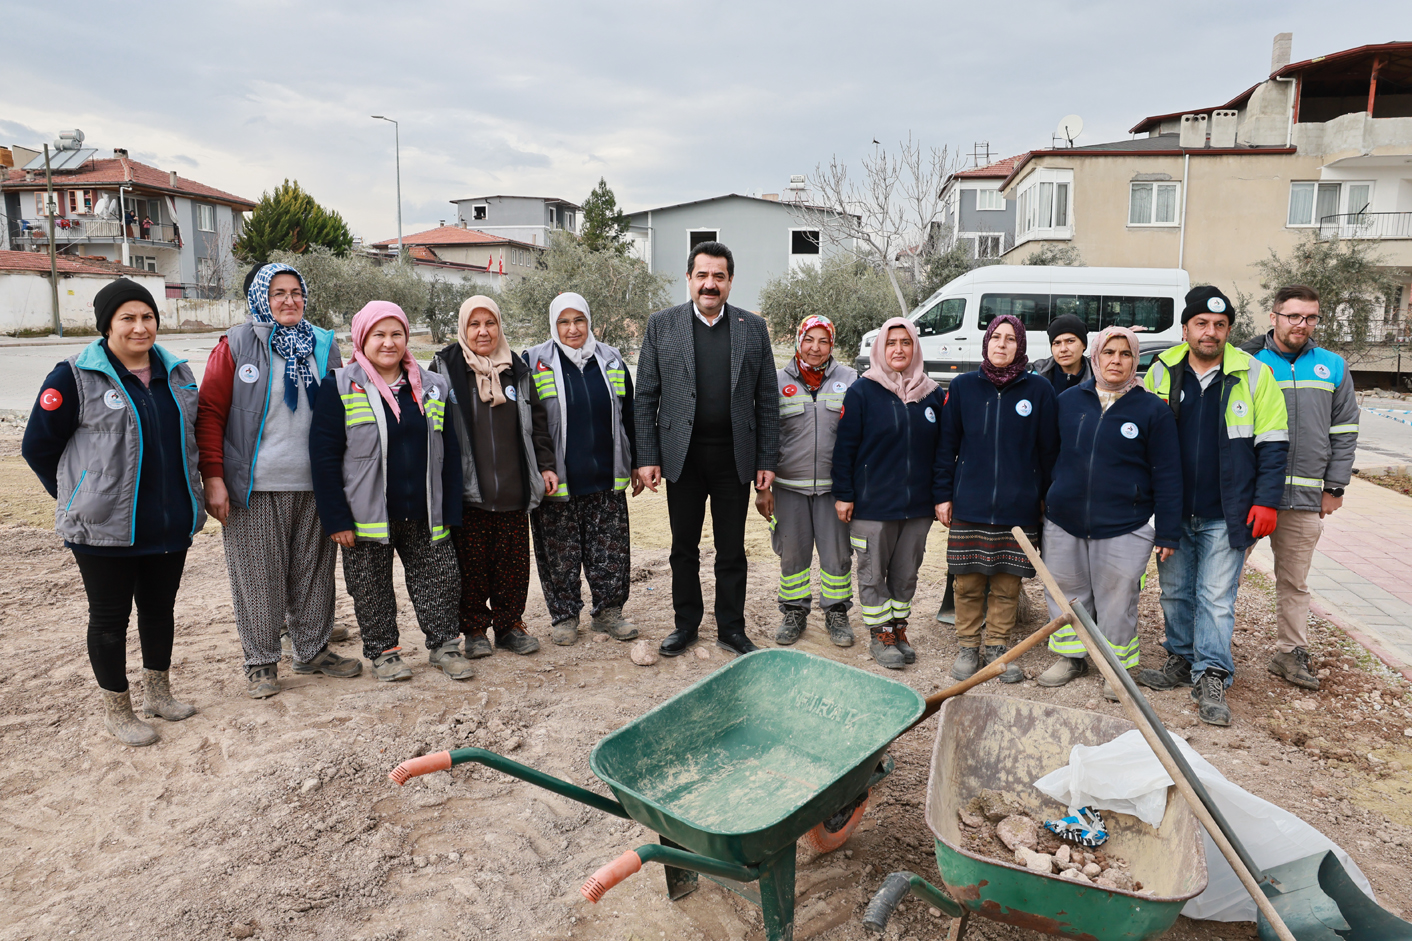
x: 1068, y: 323
x: 113, y: 295
x: 1207, y: 300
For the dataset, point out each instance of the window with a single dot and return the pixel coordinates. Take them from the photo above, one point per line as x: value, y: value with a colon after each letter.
x: 1032, y: 309
x: 478, y: 213
x: 695, y: 237
x: 1144, y: 314
x: 1152, y: 203
x: 942, y: 317
x: 1083, y: 306
x: 145, y: 262
x: 205, y: 217
x: 1140, y: 313
x: 1311, y: 203
x: 46, y: 204
x: 1042, y: 209
x: 804, y: 242
x: 988, y: 246
x: 989, y: 199
x: 81, y: 202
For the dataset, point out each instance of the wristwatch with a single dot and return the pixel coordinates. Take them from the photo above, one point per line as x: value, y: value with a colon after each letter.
x: 1334, y: 491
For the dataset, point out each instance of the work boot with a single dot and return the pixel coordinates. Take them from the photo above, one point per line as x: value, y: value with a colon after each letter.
x: 261, y: 682
x: 338, y: 635
x: 565, y: 633
x: 389, y: 668
x: 968, y: 661
x: 1012, y: 674
x: 1109, y: 693
x: 478, y: 645
x: 126, y: 727
x: 157, y: 698
x: 884, y: 649
x: 610, y: 621
x: 1063, y: 672
x: 1175, y: 672
x: 1210, y: 694
x: 330, y: 664
x: 517, y: 639
x: 449, y: 660
x: 791, y: 625
x: 899, y: 627
x: 1293, y: 667
x: 836, y: 623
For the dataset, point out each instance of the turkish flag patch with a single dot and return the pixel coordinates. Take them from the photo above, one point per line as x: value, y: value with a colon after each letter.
x: 790, y: 390
x: 355, y: 387
x: 50, y: 399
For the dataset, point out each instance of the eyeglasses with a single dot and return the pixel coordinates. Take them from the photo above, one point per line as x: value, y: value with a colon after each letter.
x: 286, y: 295
x: 1295, y: 320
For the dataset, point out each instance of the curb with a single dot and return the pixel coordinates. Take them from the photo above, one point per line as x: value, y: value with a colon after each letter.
x: 1385, y: 470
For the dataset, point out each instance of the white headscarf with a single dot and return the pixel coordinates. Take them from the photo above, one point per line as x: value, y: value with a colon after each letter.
x: 571, y: 301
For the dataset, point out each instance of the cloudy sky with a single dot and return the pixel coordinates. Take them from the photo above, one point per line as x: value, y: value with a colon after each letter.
x: 668, y: 101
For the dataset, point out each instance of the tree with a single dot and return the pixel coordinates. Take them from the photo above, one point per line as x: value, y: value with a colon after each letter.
x: 1355, y: 291
x: 340, y: 287
x: 856, y: 296
x: 620, y: 291
x: 1065, y: 255
x: 289, y: 220
x: 443, y: 306
x: 605, y: 226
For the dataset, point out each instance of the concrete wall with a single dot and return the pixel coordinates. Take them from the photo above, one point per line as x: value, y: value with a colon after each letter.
x: 26, y: 302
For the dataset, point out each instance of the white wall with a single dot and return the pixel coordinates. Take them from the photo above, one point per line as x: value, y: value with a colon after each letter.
x: 25, y: 301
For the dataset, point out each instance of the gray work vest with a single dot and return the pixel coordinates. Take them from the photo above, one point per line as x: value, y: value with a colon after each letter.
x: 250, y: 397
x: 809, y: 427
x: 547, y: 369
x: 365, y: 454
x: 101, y: 465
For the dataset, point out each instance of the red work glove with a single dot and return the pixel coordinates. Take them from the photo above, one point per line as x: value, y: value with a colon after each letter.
x: 1262, y: 521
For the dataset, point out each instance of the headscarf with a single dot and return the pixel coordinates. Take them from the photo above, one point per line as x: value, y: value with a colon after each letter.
x: 571, y: 301
x: 373, y: 313
x: 910, y: 386
x: 1000, y: 375
x: 1104, y: 335
x: 813, y: 377
x: 486, y: 368
x: 295, y: 344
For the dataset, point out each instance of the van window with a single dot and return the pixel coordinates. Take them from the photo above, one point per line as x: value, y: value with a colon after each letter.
x: 1149, y: 314
x: 1032, y: 309
x: 1143, y: 313
x: 942, y: 317
x: 1086, y: 307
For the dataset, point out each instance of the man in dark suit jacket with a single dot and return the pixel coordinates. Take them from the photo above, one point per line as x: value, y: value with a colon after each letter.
x: 706, y: 407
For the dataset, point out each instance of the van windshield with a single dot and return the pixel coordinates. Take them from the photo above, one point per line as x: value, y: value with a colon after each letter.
x: 942, y: 317
x: 1036, y: 311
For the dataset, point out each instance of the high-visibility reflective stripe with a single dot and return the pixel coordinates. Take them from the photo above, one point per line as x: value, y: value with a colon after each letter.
x: 901, y: 609
x: 844, y: 579
x: 1305, y: 384
x: 794, y: 594
x: 621, y: 483
x: 615, y: 376
x: 353, y: 398
x: 841, y: 593
x: 826, y: 483
x: 360, y: 419
x: 1344, y: 429
x: 1239, y: 431
x: 1278, y: 434
x: 439, y: 533
x: 874, y: 615
x: 372, y: 530
x: 770, y: 523
x: 1066, y: 643
x: 859, y: 542
x: 1304, y: 481
x: 561, y: 491
x: 796, y: 578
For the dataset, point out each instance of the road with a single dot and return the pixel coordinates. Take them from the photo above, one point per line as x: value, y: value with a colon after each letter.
x: 23, y: 368
x: 1384, y: 433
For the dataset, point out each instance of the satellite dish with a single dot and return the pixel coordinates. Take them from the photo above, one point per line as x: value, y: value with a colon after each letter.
x: 1070, y: 128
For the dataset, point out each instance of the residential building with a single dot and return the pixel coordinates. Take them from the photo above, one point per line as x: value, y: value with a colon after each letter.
x: 527, y: 219
x: 768, y: 238
x: 126, y: 211
x: 455, y: 253
x: 1322, y: 146
x: 27, y: 300
x: 976, y: 212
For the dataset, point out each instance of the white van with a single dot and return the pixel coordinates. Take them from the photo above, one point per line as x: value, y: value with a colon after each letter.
x: 952, y: 322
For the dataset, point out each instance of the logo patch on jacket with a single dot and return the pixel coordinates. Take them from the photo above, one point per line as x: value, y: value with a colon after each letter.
x: 1023, y: 408
x: 113, y: 399
x: 840, y: 387
x: 1239, y: 409
x: 1322, y: 371
x: 50, y: 399
x: 433, y: 393
x: 248, y: 373
x: 790, y: 389
x: 931, y: 415
x: 511, y: 394
x: 1129, y: 430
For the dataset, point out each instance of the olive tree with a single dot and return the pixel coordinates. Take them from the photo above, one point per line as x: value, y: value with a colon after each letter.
x: 856, y: 296
x: 339, y: 287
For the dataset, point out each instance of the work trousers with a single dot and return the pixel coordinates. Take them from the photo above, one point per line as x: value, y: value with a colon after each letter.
x: 492, y: 552
x: 1199, y: 584
x: 709, y: 474
x: 1105, y: 575
x: 800, y: 524
x: 113, y: 583
x: 585, y: 534
x: 889, y: 557
x: 433, y: 583
x: 281, y: 575
x: 1292, y: 543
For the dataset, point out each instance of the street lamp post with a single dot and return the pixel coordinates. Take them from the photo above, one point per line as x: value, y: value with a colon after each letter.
x: 397, y: 151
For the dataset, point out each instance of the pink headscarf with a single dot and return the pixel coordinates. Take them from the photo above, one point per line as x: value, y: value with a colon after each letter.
x: 363, y: 322
x: 910, y: 386
x: 1104, y: 335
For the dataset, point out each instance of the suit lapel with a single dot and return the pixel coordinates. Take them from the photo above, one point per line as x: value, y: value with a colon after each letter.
x: 687, y: 330
x: 736, y: 324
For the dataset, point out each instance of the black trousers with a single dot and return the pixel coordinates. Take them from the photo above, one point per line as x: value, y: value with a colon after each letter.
x: 112, y: 583
x: 709, y: 474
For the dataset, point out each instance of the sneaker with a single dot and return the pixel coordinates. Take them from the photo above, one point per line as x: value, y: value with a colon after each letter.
x: 338, y: 635
x: 1175, y: 672
x: 478, y: 645
x: 1210, y: 694
x: 1066, y: 670
x: 1012, y: 674
x: 566, y: 632
x: 261, y: 682
x: 1293, y: 667
x: 899, y: 627
x: 791, y: 625
x: 517, y: 639
x: 836, y: 623
x: 968, y: 661
x: 884, y: 649
x: 449, y: 660
x: 389, y: 667
x: 610, y: 621
x: 330, y: 664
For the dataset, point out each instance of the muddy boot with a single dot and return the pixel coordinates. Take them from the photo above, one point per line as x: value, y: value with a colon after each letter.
x: 791, y: 626
x: 968, y: 661
x: 884, y: 649
x: 389, y: 667
x: 836, y: 623
x: 610, y: 621
x: 1012, y: 674
x: 478, y: 645
x: 1175, y: 672
x: 516, y: 639
x: 329, y: 664
x: 338, y: 635
x: 900, y: 629
x: 449, y: 660
x: 1109, y: 693
x: 126, y: 727
x: 261, y: 682
x: 1064, y: 671
x: 157, y: 698
x: 1209, y: 692
x: 565, y: 633
x: 1293, y: 667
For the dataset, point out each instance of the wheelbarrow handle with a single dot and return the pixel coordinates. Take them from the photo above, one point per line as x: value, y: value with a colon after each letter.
x: 898, y: 886
x: 631, y: 861
x: 443, y: 761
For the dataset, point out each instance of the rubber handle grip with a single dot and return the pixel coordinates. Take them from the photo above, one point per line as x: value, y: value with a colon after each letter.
x: 415, y: 767
x: 610, y: 875
x: 894, y: 888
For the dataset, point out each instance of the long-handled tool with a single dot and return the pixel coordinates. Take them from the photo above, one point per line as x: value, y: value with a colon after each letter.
x: 1313, y: 894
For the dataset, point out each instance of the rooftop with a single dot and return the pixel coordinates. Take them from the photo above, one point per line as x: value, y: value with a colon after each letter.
x: 547, y: 199
x: 711, y: 199
x: 38, y: 262
x: 452, y: 235
x: 124, y: 171
x: 1000, y: 169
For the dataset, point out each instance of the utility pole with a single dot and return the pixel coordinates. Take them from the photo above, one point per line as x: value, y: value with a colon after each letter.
x: 397, y: 151
x: 50, y: 206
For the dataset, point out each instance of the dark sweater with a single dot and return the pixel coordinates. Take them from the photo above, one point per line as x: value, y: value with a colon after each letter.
x: 712, y: 425
x: 1199, y: 427
x: 588, y: 426
x: 884, y: 457
x: 163, y: 514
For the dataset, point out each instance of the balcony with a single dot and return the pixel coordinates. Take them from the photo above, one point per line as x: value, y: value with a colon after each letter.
x: 1367, y: 225
x: 79, y: 231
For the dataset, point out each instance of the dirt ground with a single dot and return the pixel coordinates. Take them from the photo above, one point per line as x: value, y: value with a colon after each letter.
x: 1398, y: 482
x: 276, y: 820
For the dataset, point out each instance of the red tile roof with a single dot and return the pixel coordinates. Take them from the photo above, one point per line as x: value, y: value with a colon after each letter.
x: 38, y: 262
x: 452, y: 235
x: 998, y: 170
x: 113, y: 171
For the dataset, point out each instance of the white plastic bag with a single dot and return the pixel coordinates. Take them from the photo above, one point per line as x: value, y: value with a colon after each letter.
x: 1124, y: 775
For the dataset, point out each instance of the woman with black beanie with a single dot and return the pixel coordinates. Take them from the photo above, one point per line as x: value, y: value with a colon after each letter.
x: 112, y: 437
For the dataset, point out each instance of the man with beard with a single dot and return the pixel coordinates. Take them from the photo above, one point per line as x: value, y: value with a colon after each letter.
x: 1231, y: 424
x: 707, y: 415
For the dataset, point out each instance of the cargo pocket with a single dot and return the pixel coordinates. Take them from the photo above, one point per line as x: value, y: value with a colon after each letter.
x: 864, y: 565
x: 92, y: 502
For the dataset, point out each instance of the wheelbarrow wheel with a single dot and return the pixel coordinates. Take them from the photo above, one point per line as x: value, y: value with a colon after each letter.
x: 835, y: 831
